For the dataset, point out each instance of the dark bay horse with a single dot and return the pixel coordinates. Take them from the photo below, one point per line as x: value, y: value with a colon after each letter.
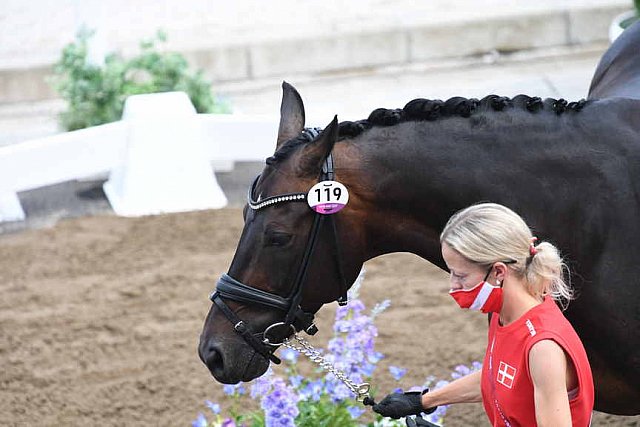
x: 571, y: 169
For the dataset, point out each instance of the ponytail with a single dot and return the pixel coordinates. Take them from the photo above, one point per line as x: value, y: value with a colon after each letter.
x: 544, y: 273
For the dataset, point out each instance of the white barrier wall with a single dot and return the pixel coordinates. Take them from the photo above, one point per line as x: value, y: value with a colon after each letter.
x: 165, y: 167
x: 101, y: 149
x: 54, y: 159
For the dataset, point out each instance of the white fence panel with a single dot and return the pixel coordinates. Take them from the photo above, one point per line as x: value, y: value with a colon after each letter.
x: 101, y: 149
x: 63, y: 157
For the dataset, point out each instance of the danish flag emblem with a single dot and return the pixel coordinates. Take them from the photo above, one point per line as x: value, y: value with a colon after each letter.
x: 506, y: 374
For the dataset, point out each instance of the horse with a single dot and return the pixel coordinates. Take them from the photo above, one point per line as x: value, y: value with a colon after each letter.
x: 571, y: 169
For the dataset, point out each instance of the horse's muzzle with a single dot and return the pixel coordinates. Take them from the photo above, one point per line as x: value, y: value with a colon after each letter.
x: 231, y: 364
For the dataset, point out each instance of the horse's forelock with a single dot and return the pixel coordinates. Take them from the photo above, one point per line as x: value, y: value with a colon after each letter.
x: 288, y: 147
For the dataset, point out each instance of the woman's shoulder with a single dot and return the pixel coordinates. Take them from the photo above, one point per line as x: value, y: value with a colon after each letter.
x: 547, y: 317
x: 544, y: 321
x: 550, y: 324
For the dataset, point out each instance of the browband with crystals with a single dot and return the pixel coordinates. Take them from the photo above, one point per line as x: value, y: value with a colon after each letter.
x: 259, y: 204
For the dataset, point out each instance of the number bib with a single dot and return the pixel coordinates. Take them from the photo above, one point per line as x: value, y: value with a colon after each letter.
x: 327, y: 197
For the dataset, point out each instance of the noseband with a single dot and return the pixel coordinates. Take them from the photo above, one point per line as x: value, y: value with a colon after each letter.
x: 295, y: 319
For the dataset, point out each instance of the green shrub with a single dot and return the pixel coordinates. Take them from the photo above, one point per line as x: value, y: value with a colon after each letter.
x: 96, y: 94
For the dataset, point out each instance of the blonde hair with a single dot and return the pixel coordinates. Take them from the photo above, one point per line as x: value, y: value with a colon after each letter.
x: 487, y: 233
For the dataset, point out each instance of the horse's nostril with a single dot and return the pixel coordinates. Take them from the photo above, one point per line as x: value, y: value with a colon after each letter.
x: 212, y: 357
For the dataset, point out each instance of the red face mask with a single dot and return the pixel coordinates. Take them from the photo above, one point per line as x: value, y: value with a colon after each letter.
x: 483, y: 297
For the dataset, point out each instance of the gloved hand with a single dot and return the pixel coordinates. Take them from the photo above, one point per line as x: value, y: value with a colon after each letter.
x: 418, y: 421
x: 397, y: 405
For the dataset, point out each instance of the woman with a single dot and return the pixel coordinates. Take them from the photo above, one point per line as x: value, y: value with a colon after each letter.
x: 535, y: 369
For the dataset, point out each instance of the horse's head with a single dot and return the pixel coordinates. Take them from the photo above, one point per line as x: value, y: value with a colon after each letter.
x: 290, y: 260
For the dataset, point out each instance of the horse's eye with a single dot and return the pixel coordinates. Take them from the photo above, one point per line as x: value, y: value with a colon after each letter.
x: 277, y: 239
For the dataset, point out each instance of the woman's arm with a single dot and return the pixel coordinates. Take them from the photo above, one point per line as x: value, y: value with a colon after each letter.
x: 462, y: 390
x: 548, y: 369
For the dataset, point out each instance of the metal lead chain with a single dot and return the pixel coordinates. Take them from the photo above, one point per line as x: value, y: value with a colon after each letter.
x: 303, y: 346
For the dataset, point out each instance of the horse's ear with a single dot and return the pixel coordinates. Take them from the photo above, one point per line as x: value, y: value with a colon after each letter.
x: 313, y: 153
x: 291, y: 114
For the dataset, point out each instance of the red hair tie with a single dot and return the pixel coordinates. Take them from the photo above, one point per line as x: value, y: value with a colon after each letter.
x: 532, y: 248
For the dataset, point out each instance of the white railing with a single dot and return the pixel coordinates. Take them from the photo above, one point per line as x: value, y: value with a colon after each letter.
x: 107, y: 149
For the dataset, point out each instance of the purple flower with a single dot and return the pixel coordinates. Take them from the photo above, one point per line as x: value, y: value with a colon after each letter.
x: 228, y: 423
x: 356, y: 306
x: 312, y: 391
x: 201, y: 421
x: 464, y: 370
x: 379, y: 308
x: 281, y: 405
x: 215, y: 408
x: 355, y: 411
x: 460, y: 371
x: 296, y: 381
x: 234, y: 389
x: 262, y: 385
x: 375, y: 357
x: 397, y: 373
x: 289, y: 355
x: 437, y: 415
x: 367, y: 369
x: 338, y: 391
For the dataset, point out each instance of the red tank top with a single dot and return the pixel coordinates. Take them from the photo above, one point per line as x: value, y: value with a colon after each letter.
x: 507, y: 389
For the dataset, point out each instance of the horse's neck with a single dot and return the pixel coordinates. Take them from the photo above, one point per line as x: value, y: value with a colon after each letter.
x: 426, y: 171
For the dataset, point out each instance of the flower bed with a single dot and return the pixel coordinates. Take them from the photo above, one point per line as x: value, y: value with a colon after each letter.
x: 318, y: 399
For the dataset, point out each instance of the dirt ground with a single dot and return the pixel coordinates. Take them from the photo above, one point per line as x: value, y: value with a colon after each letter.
x: 100, y: 318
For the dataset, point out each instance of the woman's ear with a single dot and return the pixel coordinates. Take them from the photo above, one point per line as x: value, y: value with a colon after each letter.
x: 500, y: 271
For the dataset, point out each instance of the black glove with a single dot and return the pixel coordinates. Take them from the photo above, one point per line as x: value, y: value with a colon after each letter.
x: 397, y: 405
x: 418, y: 421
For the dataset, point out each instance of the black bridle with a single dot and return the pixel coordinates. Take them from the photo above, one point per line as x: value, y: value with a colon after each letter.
x: 295, y: 319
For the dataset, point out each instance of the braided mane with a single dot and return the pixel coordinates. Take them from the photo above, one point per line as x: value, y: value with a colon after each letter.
x: 433, y: 109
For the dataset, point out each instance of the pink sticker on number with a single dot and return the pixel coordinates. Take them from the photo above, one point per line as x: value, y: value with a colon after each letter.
x: 328, y: 197
x: 328, y: 208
